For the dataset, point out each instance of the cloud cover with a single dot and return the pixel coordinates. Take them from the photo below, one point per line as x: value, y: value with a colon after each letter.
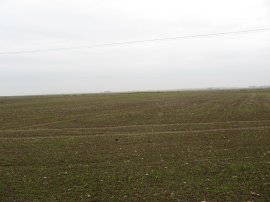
x: 227, y: 61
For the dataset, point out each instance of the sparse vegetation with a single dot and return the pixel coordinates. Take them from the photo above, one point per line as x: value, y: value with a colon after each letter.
x: 171, y: 146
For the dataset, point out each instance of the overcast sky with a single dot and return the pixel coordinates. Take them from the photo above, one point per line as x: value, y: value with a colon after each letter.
x: 228, y: 61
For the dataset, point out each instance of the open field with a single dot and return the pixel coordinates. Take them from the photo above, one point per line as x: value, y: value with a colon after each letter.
x: 171, y: 146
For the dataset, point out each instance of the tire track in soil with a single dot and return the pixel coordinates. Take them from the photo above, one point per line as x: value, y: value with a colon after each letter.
x: 130, y: 133
x: 139, y: 125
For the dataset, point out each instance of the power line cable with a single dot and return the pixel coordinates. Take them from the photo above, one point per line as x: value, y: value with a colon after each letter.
x: 137, y: 41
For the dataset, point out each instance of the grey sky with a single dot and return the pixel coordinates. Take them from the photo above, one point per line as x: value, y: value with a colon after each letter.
x: 228, y: 61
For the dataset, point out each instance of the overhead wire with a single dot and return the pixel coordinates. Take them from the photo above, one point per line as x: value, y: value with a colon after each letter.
x: 124, y: 43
